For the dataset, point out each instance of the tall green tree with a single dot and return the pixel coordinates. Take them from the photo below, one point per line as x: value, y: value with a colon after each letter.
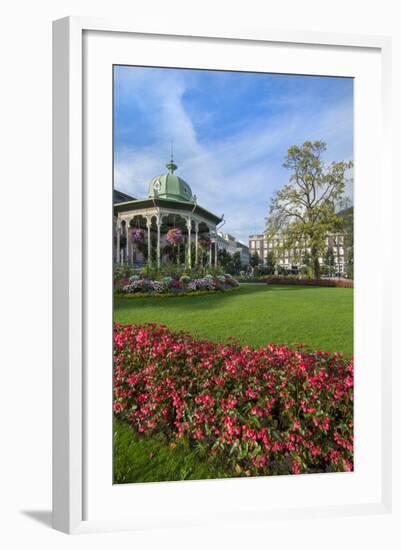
x: 236, y: 262
x: 224, y: 259
x: 329, y: 260
x: 254, y: 260
x: 306, y: 259
x: 270, y: 261
x: 305, y: 209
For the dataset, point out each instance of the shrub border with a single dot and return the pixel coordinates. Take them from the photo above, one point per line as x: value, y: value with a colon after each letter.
x: 302, y: 282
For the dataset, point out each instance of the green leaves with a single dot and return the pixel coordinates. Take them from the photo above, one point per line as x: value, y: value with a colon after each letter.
x: 305, y: 210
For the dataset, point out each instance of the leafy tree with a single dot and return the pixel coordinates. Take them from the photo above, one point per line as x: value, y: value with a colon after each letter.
x: 305, y: 268
x: 270, y: 261
x: 305, y: 209
x: 230, y: 263
x: 306, y: 259
x: 236, y: 263
x: 224, y: 259
x: 329, y: 260
x: 254, y: 260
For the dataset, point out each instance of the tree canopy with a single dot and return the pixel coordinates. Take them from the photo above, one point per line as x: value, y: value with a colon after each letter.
x: 305, y: 210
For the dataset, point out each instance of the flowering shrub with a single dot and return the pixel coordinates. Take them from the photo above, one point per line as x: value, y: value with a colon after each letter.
x: 230, y: 281
x: 291, y: 280
x: 169, y: 284
x: 206, y: 283
x: 121, y: 271
x: 137, y: 285
x: 157, y: 286
x: 265, y: 411
x: 120, y: 283
x: 205, y: 242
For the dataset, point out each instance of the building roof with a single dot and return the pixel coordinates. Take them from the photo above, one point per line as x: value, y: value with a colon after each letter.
x: 119, y: 196
x: 169, y: 186
x: 185, y: 206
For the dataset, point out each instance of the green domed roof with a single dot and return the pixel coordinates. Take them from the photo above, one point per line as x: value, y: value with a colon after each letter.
x: 169, y: 186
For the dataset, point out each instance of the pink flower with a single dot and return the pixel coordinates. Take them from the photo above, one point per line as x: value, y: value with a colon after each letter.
x: 295, y: 467
x: 174, y: 236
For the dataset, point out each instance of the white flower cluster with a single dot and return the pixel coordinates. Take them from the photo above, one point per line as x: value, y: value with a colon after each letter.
x: 209, y: 282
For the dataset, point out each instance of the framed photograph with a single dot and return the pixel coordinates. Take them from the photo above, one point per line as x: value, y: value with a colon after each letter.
x: 220, y: 344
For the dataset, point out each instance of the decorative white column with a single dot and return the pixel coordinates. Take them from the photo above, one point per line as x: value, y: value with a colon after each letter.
x: 210, y: 248
x: 118, y: 229
x: 158, y: 223
x: 148, y: 224
x: 188, y: 258
x: 196, y: 243
x: 127, y: 246
x: 215, y: 251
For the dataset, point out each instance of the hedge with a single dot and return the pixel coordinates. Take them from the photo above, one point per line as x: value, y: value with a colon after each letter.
x: 288, y: 280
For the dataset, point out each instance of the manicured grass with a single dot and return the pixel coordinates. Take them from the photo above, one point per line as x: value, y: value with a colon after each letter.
x: 321, y: 318
x: 144, y: 458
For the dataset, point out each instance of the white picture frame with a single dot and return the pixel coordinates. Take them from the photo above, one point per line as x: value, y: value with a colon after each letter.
x: 70, y: 337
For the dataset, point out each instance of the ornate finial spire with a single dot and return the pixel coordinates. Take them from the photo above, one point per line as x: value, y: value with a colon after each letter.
x: 171, y: 165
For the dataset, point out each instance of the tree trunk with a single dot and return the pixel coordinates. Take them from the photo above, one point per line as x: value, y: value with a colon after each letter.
x: 315, y: 264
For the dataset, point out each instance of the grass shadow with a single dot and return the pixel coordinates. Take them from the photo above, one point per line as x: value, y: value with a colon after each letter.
x: 173, y: 302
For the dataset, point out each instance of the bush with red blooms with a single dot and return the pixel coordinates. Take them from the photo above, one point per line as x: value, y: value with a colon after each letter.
x: 266, y: 411
x: 291, y: 280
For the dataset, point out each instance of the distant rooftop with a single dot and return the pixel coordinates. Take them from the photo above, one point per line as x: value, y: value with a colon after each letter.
x: 119, y: 196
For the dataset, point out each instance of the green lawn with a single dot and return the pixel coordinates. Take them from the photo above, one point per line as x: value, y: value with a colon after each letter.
x: 322, y: 318
x: 142, y: 458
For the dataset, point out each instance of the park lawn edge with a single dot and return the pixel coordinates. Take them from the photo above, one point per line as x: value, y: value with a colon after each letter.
x: 172, y: 294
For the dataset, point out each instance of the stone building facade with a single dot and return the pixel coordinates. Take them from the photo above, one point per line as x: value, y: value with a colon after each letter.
x: 291, y: 258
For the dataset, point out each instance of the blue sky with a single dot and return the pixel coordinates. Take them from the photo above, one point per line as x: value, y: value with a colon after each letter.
x: 231, y: 132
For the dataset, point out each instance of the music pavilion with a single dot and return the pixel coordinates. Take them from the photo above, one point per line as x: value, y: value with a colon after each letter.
x: 146, y: 230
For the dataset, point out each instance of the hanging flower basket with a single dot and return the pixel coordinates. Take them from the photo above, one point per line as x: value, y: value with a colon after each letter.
x: 174, y: 236
x: 205, y: 242
x: 137, y: 235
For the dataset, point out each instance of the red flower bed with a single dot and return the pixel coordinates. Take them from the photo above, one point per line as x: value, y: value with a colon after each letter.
x: 290, y: 280
x: 265, y: 411
x: 339, y: 283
